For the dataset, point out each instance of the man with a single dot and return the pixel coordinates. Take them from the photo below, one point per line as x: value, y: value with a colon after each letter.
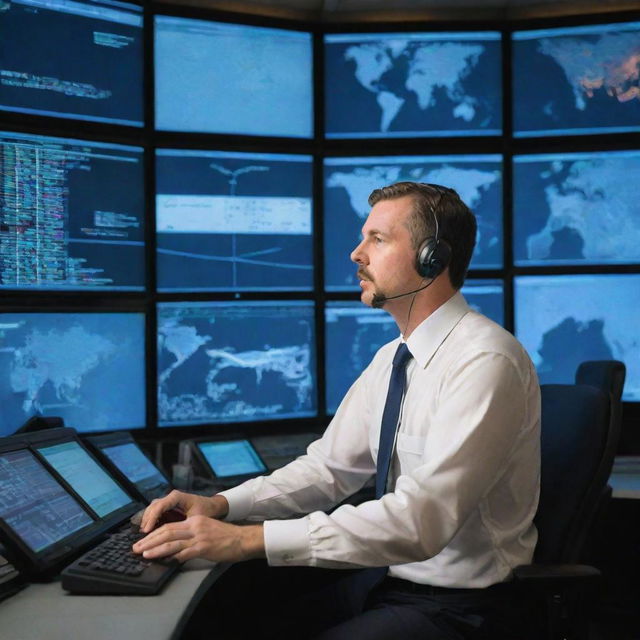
x: 458, y: 490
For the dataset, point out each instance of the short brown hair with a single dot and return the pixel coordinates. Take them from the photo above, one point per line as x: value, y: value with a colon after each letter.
x: 456, y: 222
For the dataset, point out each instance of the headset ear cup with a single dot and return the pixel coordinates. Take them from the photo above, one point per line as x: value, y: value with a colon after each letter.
x: 433, y: 258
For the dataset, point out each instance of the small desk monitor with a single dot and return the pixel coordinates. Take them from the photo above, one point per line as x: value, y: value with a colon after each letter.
x: 41, y: 522
x: 82, y: 472
x: 124, y: 456
x: 230, y: 459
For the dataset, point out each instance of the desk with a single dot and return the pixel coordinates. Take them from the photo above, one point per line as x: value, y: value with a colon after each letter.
x: 625, y: 477
x: 47, y: 612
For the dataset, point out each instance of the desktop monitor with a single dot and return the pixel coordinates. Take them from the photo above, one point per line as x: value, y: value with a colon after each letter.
x: 588, y: 80
x: 349, y: 181
x: 36, y: 509
x: 80, y: 59
x: 576, y: 208
x: 563, y: 320
x: 88, y: 368
x: 123, y: 455
x: 486, y: 297
x: 86, y: 477
x: 230, y: 221
x: 230, y: 459
x: 355, y: 332
x: 239, y: 79
x: 72, y: 214
x: 235, y: 361
x: 383, y: 85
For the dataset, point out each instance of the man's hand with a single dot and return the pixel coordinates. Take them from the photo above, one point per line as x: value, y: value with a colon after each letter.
x: 186, y: 503
x: 200, y: 536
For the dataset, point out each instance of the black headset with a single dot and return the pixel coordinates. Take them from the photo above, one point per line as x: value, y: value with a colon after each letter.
x: 434, y: 253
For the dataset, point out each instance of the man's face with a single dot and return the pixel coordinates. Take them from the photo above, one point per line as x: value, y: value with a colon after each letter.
x: 386, y: 256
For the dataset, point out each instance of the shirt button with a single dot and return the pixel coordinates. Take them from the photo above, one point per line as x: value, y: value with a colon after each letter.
x: 287, y: 557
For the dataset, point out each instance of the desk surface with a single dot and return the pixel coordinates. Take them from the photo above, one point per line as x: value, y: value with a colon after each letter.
x: 46, y: 611
x: 625, y: 477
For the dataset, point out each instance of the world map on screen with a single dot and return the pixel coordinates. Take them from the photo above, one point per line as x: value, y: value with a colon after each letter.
x: 348, y: 183
x: 591, y: 79
x: 386, y: 84
x: 565, y: 320
x: 87, y: 369
x: 577, y: 208
x: 218, y: 364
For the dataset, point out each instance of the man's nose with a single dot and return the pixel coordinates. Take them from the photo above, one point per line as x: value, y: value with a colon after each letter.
x: 357, y: 255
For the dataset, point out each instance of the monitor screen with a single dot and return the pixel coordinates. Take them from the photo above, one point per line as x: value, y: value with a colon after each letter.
x: 413, y: 84
x: 86, y: 477
x: 235, y: 361
x: 71, y: 214
x: 34, y: 504
x: 88, y: 368
x: 576, y: 208
x: 588, y: 80
x: 231, y: 458
x: 354, y: 332
x: 486, y: 297
x: 73, y: 59
x: 349, y: 181
x: 229, y: 221
x: 216, y: 77
x: 134, y: 464
x: 563, y: 320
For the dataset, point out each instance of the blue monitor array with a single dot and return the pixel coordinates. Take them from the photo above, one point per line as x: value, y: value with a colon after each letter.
x: 88, y: 368
x: 214, y: 77
x: 355, y: 332
x: 590, y: 80
x: 576, y: 208
x: 233, y: 221
x: 349, y: 181
x: 383, y: 85
x: 63, y: 225
x: 563, y: 320
x: 235, y: 361
x: 78, y: 59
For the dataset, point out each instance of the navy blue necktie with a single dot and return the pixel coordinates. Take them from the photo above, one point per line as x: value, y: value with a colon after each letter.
x: 390, y: 416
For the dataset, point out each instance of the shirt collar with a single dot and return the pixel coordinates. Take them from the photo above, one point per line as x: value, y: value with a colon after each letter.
x: 433, y: 330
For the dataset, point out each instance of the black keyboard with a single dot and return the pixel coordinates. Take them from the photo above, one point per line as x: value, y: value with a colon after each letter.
x: 112, y: 568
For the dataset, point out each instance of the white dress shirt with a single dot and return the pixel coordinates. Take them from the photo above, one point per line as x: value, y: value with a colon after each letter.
x: 465, y: 473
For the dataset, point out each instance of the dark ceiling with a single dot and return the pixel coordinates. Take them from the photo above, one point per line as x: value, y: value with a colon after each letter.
x: 398, y: 10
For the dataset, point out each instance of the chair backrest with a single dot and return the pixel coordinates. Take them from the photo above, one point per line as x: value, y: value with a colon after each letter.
x: 608, y: 375
x: 579, y: 439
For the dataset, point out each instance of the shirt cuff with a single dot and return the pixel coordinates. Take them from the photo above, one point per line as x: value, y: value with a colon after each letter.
x: 287, y: 542
x: 240, y: 501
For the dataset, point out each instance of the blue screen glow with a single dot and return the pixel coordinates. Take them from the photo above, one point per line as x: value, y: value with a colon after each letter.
x: 235, y: 361
x: 86, y: 477
x: 71, y: 214
x: 413, y: 84
x: 88, y: 368
x: 233, y: 221
x: 231, y: 458
x: 349, y: 181
x: 216, y: 77
x: 590, y: 80
x: 577, y: 208
x: 73, y: 59
x: 565, y: 320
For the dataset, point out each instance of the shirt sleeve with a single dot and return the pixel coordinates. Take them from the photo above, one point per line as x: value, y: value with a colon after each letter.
x: 334, y: 467
x: 480, y: 417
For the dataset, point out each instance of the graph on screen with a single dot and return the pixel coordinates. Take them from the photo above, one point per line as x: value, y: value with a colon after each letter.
x: 229, y: 221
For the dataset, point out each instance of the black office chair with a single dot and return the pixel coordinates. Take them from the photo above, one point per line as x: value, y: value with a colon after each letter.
x: 608, y: 375
x: 579, y: 439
